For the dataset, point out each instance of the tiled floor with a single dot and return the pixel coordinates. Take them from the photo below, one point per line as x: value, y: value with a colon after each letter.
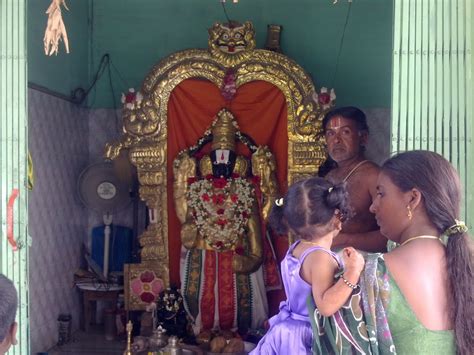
x: 91, y: 343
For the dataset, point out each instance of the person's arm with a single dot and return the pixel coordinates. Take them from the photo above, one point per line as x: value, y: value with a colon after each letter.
x: 372, y: 241
x: 330, y: 296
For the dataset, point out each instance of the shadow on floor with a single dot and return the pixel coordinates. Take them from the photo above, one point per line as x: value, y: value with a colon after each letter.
x: 90, y: 343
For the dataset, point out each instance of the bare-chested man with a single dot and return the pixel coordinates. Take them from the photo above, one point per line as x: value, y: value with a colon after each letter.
x: 346, y: 133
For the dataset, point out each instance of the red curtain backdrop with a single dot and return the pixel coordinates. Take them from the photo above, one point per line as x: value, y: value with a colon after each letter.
x: 260, y: 110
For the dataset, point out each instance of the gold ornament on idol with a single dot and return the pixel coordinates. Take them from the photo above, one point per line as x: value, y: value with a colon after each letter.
x: 223, y: 131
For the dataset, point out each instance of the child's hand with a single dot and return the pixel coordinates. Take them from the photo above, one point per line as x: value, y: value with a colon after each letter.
x: 353, y: 260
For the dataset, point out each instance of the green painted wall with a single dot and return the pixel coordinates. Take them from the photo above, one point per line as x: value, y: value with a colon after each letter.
x: 63, y: 72
x: 312, y: 34
x: 137, y: 36
x: 138, y: 33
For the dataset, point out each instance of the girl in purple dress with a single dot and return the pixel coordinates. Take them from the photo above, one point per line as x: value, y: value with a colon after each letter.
x: 313, y: 211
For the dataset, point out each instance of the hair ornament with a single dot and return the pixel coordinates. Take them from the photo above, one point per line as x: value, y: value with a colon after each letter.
x: 458, y: 227
x: 279, y: 202
x: 330, y: 189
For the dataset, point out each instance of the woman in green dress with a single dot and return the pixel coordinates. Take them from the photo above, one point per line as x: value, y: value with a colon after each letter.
x: 417, y: 298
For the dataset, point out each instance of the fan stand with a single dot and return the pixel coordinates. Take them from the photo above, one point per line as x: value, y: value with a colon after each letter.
x: 107, y: 221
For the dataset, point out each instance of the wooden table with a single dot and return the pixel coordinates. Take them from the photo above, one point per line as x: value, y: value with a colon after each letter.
x: 91, y: 294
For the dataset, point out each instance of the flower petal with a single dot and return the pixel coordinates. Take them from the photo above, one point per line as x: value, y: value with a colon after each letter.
x: 147, y: 276
x: 136, y: 286
x: 157, y: 286
x: 147, y: 297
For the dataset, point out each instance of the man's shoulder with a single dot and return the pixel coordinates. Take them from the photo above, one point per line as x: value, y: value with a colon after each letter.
x: 366, y: 174
x: 365, y: 179
x: 370, y: 167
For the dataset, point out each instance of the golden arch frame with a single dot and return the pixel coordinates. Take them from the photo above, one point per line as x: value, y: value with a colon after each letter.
x: 145, y: 126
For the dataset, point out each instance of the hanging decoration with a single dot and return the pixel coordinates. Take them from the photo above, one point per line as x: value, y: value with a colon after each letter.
x: 229, y: 85
x: 324, y: 98
x: 132, y: 99
x: 55, y: 29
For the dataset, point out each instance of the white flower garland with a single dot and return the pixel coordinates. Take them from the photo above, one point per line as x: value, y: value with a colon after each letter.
x: 221, y: 209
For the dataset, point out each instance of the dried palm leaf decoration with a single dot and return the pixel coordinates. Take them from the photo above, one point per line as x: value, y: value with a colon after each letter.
x: 55, y: 29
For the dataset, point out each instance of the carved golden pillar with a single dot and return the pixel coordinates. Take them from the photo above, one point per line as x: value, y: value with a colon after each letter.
x: 150, y: 160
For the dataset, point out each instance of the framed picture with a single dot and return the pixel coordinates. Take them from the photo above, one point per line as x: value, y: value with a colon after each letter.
x: 142, y: 286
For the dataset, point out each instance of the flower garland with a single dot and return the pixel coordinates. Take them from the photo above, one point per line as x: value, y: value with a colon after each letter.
x: 229, y: 86
x: 221, y: 208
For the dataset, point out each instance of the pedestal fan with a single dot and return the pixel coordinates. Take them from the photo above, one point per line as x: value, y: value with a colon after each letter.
x: 101, y: 190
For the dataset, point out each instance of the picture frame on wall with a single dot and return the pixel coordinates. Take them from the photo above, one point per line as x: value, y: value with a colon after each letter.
x: 142, y: 286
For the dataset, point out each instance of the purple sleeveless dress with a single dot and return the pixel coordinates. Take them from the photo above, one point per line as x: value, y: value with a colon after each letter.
x: 290, y: 330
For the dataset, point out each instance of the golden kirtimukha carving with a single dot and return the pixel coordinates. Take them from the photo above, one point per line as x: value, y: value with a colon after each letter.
x: 230, y: 46
x: 235, y: 39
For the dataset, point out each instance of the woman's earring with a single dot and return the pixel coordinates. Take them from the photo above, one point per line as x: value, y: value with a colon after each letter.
x: 409, y: 214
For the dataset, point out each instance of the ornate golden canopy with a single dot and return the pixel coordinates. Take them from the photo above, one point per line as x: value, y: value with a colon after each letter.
x: 145, y: 122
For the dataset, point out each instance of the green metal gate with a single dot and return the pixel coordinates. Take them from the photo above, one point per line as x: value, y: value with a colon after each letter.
x: 13, y: 158
x: 432, y: 84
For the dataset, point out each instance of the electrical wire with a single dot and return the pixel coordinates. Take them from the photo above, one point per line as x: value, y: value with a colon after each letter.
x: 113, y: 97
x: 225, y: 11
x: 124, y: 82
x: 341, y: 45
x: 79, y: 94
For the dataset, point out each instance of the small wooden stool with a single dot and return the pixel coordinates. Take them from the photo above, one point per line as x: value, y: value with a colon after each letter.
x: 91, y: 294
